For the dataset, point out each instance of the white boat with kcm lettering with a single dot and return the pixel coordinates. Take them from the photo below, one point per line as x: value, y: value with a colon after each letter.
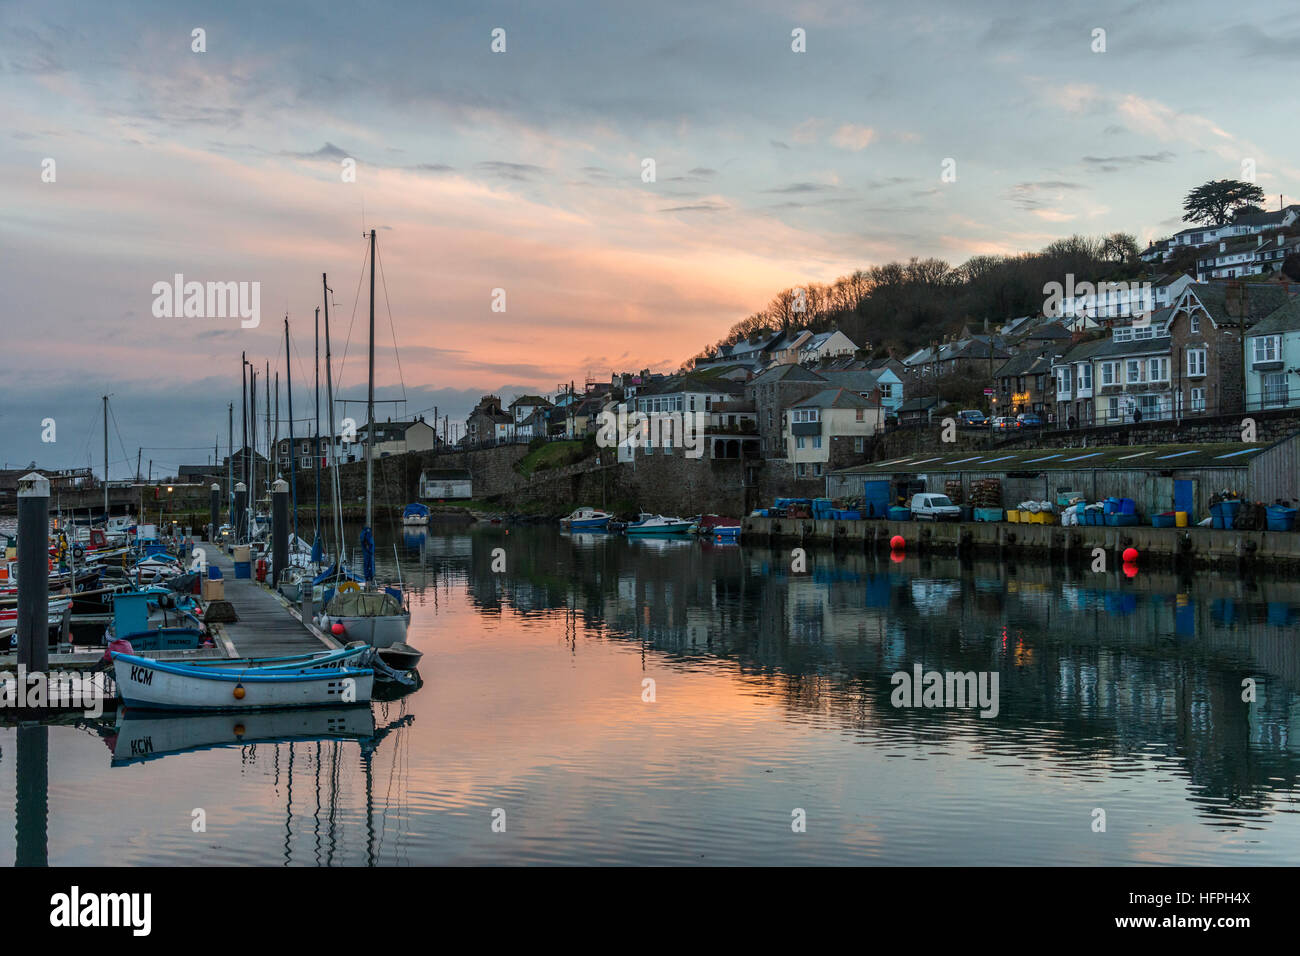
x: 149, y: 684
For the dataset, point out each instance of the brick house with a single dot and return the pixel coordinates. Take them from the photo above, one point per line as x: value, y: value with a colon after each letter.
x: 772, y: 393
x: 1205, y: 329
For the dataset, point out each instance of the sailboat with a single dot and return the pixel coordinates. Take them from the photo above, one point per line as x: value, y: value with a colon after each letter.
x: 362, y: 612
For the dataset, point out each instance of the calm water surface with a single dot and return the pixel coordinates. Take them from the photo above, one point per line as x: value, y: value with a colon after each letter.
x: 772, y: 692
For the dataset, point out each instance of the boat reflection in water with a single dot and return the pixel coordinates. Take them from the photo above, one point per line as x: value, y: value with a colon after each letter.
x: 141, y: 736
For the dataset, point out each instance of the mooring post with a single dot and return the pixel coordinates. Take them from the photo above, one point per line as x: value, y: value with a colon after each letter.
x: 214, y: 506
x: 241, y: 513
x: 279, y: 529
x: 34, y: 572
x: 31, y: 795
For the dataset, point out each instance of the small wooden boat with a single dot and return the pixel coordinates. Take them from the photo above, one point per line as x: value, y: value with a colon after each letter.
x: 401, y: 656
x: 149, y: 684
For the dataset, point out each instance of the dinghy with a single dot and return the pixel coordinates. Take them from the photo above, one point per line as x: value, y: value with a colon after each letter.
x: 149, y: 684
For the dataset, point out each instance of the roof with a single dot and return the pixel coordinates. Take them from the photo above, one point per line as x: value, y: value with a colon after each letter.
x: 860, y: 380
x: 1085, y: 350
x: 1285, y: 319
x: 447, y: 474
x: 1231, y: 303
x: 689, y: 383
x: 786, y: 373
x: 918, y: 404
x: 1024, y: 363
x: 833, y: 398
x: 1137, y: 457
x: 530, y: 400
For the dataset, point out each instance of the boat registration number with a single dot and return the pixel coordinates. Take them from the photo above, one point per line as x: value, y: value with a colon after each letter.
x: 141, y: 675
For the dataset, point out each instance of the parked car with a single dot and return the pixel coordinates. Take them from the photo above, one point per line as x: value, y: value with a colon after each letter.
x: 972, y: 418
x: 1004, y: 423
x: 1029, y: 420
x: 931, y: 507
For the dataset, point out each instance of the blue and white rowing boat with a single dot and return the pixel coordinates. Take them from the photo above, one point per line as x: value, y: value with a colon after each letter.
x: 415, y: 514
x: 149, y: 684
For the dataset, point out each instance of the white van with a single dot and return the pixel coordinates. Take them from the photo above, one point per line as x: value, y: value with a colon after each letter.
x: 931, y: 507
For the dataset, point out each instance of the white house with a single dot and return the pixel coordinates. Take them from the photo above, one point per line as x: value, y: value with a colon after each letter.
x: 828, y: 428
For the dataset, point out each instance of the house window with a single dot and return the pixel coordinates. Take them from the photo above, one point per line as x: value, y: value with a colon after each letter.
x: 817, y: 441
x: 1158, y: 370
x: 1194, y: 323
x: 1198, y: 399
x: 1195, y: 362
x: 1133, y: 371
x: 1275, y: 388
x: 806, y: 415
x: 1112, y: 409
x: 860, y: 412
x: 1109, y: 373
x: 1268, y: 348
x: 798, y: 441
x: 1085, y: 378
x: 800, y: 470
x: 857, y: 445
x: 886, y: 390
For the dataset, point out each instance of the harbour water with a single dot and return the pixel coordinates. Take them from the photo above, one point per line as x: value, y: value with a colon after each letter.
x: 533, y: 738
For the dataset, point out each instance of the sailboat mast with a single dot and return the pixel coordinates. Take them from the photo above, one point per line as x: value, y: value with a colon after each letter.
x: 329, y: 386
x: 106, y: 448
x: 270, y: 451
x: 252, y: 440
x: 370, y: 401
x: 293, y: 459
x: 316, y: 444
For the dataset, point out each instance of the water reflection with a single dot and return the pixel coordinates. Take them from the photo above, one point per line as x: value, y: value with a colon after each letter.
x: 773, y: 691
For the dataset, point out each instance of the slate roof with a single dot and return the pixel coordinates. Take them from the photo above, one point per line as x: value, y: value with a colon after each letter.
x: 1229, y: 303
x: 1285, y: 319
x: 833, y: 398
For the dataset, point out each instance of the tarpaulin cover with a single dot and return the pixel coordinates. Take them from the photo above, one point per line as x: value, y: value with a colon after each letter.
x: 363, y: 604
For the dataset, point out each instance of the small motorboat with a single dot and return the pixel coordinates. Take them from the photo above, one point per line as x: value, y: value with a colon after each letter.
x: 415, y: 514
x: 657, y: 524
x: 149, y: 684
x: 586, y: 519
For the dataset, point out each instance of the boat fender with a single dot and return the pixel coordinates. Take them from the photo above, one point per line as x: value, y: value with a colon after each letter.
x: 78, y: 552
x: 239, y: 692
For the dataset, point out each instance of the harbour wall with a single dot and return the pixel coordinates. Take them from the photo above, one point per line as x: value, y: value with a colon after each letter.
x: 1193, y: 548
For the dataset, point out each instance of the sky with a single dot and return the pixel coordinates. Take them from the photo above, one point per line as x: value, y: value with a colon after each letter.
x: 525, y: 171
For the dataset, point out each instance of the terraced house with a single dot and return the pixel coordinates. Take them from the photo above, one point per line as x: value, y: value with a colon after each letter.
x: 1187, y: 360
x: 1272, y: 360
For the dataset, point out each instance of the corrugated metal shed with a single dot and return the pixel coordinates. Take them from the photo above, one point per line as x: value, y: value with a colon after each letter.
x: 1144, y: 473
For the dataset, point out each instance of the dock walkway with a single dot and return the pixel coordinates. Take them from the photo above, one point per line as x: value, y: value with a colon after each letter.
x: 268, y: 626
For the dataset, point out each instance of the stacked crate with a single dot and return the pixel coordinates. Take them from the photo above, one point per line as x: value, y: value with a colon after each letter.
x: 986, y: 498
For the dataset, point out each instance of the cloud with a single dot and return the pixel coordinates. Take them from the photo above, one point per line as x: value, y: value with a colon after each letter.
x: 852, y: 137
x: 519, y: 172
x: 1111, y: 164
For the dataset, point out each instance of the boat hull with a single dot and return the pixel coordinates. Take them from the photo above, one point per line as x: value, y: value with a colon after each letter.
x: 146, y: 684
x: 381, y: 631
x: 589, y: 524
x: 670, y: 528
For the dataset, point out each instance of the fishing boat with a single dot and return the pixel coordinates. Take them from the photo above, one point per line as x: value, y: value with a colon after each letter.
x: 415, y: 514
x: 586, y: 519
x: 140, y: 736
x: 657, y: 524
x: 149, y: 684
x: 376, y: 617
x: 156, y: 619
x: 717, y: 526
